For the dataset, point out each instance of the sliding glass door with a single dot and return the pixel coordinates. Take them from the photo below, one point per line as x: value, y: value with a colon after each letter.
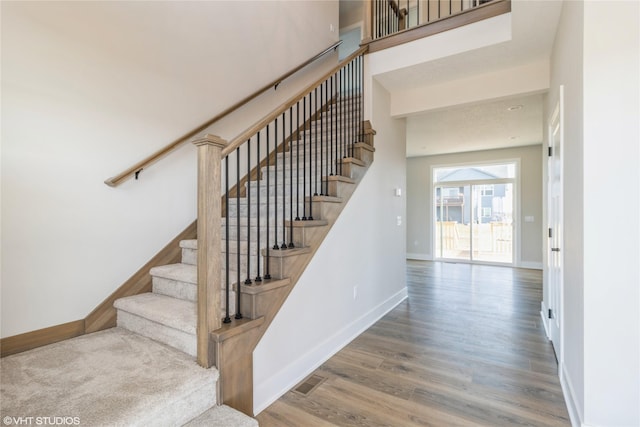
x: 473, y: 219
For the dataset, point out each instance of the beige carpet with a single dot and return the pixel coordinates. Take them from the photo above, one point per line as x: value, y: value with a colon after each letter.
x: 109, y: 378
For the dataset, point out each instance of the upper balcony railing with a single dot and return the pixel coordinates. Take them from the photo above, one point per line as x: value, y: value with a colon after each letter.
x: 393, y: 22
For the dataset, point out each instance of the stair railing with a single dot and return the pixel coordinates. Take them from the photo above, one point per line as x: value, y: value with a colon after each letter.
x: 136, y: 169
x: 252, y: 190
x: 388, y: 17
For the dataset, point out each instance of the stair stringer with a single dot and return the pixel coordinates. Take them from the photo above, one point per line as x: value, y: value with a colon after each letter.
x: 234, y: 343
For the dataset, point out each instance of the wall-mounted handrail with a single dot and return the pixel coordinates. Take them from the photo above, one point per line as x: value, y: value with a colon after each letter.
x: 134, y: 170
x: 250, y: 131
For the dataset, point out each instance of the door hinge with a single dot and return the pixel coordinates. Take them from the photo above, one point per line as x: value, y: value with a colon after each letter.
x: 550, y: 314
x: 550, y: 233
x: 550, y: 151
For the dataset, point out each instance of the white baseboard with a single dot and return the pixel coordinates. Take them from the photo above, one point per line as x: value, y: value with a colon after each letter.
x: 531, y: 265
x: 419, y: 257
x: 570, y: 399
x: 544, y: 313
x: 282, y: 381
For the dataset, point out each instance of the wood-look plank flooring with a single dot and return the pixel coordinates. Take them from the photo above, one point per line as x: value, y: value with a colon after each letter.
x: 466, y: 348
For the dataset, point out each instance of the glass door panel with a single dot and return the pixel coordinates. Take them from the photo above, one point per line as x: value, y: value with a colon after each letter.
x: 452, y: 222
x: 492, y: 224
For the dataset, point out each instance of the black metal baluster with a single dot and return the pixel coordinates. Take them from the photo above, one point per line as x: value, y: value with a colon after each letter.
x: 315, y: 146
x: 297, y: 161
x: 386, y: 10
x: 275, y: 188
x: 326, y: 137
x: 338, y: 120
x: 354, y: 123
x: 342, y: 117
x: 351, y: 99
x: 248, y: 281
x: 290, y: 177
x: 329, y: 113
x: 284, y: 185
x: 310, y: 217
x: 227, y: 319
x: 304, y: 159
x: 377, y: 15
x: 322, y: 139
x: 361, y: 117
x: 259, y: 185
x: 267, y: 266
x: 335, y: 118
x: 238, y: 293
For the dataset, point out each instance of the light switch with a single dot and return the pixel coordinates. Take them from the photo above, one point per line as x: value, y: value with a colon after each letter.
x: 528, y: 218
x: 398, y: 192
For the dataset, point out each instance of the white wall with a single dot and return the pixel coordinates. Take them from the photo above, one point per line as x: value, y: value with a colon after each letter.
x: 596, y: 57
x: 89, y: 88
x: 566, y: 69
x: 516, y: 81
x: 611, y: 239
x: 365, y: 248
x: 420, y: 207
x: 473, y: 36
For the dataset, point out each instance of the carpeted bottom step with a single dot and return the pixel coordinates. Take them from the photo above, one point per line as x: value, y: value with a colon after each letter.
x: 171, y: 321
x: 222, y: 416
x: 113, y: 377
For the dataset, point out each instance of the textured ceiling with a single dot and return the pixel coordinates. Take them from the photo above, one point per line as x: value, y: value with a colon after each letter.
x: 476, y: 127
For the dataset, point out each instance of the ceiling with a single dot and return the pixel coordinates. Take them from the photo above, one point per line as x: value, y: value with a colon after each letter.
x: 505, y: 123
x: 486, y: 125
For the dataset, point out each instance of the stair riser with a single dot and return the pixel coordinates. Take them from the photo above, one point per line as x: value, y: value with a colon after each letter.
x: 272, y: 191
x: 338, y: 188
x: 254, y: 306
x: 180, y: 340
x: 280, y: 266
x: 174, y: 288
x: 188, y: 291
x: 302, y: 236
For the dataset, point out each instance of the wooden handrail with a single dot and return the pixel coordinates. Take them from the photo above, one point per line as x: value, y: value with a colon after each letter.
x: 116, y: 180
x: 260, y: 124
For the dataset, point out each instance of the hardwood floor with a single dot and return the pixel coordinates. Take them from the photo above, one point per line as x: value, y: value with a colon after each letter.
x: 466, y: 348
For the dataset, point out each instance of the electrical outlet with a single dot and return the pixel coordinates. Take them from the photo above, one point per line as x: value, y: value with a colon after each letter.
x: 399, y: 221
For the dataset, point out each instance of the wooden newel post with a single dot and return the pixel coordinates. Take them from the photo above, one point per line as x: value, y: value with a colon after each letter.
x: 209, y: 243
x: 367, y: 19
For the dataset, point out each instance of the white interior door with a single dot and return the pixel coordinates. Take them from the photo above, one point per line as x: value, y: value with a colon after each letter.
x: 555, y: 255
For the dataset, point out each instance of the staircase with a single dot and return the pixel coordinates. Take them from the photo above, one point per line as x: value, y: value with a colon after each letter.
x: 168, y: 313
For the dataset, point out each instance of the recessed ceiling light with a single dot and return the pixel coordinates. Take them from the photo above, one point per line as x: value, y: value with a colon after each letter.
x: 516, y: 107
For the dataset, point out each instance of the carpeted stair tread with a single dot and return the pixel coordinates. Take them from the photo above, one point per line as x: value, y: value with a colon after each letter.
x: 113, y: 377
x: 180, y: 272
x: 172, y: 312
x: 222, y: 416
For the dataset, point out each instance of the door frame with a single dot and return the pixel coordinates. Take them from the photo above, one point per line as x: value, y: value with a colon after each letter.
x: 556, y: 333
x: 516, y: 251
